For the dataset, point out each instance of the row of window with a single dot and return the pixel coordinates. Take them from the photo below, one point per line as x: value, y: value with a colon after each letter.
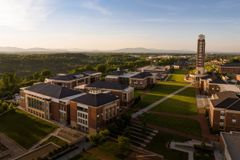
x: 82, y: 109
x: 82, y: 121
x: 81, y: 115
x: 36, y: 104
x: 63, y: 108
x: 36, y: 113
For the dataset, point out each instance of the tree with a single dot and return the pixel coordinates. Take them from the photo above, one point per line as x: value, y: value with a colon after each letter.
x: 99, y: 138
x: 45, y: 73
x: 123, y: 144
x: 88, y: 67
x: 101, y: 68
x: 9, y: 84
x: 104, y: 133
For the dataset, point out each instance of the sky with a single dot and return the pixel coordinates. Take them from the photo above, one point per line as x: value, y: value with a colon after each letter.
x: 115, y: 24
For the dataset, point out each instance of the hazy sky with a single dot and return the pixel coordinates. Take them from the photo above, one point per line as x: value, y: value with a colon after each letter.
x: 112, y: 24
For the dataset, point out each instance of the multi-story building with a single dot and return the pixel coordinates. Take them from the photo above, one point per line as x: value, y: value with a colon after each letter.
x: 48, y: 101
x: 69, y: 80
x: 83, y: 111
x: 93, y: 76
x: 142, y: 80
x: 155, y: 69
x: 91, y: 112
x: 124, y: 92
x: 120, y: 77
x: 233, y: 68
x: 229, y: 145
x: 224, y: 111
x: 160, y: 72
x: 73, y: 80
x: 200, y: 59
x: 211, y: 84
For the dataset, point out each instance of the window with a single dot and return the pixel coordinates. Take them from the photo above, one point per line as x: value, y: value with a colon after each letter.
x: 222, y: 112
x: 234, y: 121
x: 221, y: 123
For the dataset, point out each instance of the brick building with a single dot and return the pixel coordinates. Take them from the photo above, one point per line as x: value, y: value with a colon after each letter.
x: 142, y: 80
x: 48, y: 101
x: 224, y: 111
x: 91, y: 112
x: 233, y: 68
x: 73, y: 80
x: 124, y: 92
x: 83, y: 111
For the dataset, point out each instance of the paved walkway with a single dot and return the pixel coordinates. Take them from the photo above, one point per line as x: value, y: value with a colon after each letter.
x: 44, y: 139
x: 205, y: 131
x: 187, y: 147
x: 81, y: 146
x: 14, y: 148
x: 144, y: 110
x: 202, y: 101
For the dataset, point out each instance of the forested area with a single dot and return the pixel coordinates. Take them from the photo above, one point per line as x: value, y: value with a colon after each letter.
x: 19, y: 70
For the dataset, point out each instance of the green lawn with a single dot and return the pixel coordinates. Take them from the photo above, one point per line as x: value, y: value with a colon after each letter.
x: 178, y: 76
x: 106, y: 151
x: 166, y: 87
x: 25, y: 129
x: 55, y: 140
x: 159, y: 145
x: 160, y: 90
x: 180, y: 124
x: 182, y: 103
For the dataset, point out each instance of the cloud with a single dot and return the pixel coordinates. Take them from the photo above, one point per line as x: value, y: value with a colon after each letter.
x: 23, y: 14
x: 95, y: 5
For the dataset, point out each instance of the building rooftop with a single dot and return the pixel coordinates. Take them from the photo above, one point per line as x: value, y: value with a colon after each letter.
x: 67, y: 77
x: 54, y: 91
x: 232, y: 142
x: 142, y: 75
x: 227, y: 100
x: 89, y: 73
x: 96, y: 99
x: 154, y: 68
x: 116, y: 73
x: 108, y: 85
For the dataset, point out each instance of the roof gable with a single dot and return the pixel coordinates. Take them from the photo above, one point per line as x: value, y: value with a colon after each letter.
x: 54, y: 91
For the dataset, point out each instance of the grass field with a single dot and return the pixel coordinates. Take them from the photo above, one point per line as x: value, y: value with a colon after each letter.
x: 106, y: 151
x: 160, y: 90
x: 25, y: 129
x: 178, y: 76
x: 182, y: 103
x: 56, y: 141
x: 159, y: 145
x: 179, y: 124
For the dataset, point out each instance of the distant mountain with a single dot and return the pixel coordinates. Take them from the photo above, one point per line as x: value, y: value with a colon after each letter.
x: 29, y: 50
x: 147, y: 50
x: 76, y: 50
